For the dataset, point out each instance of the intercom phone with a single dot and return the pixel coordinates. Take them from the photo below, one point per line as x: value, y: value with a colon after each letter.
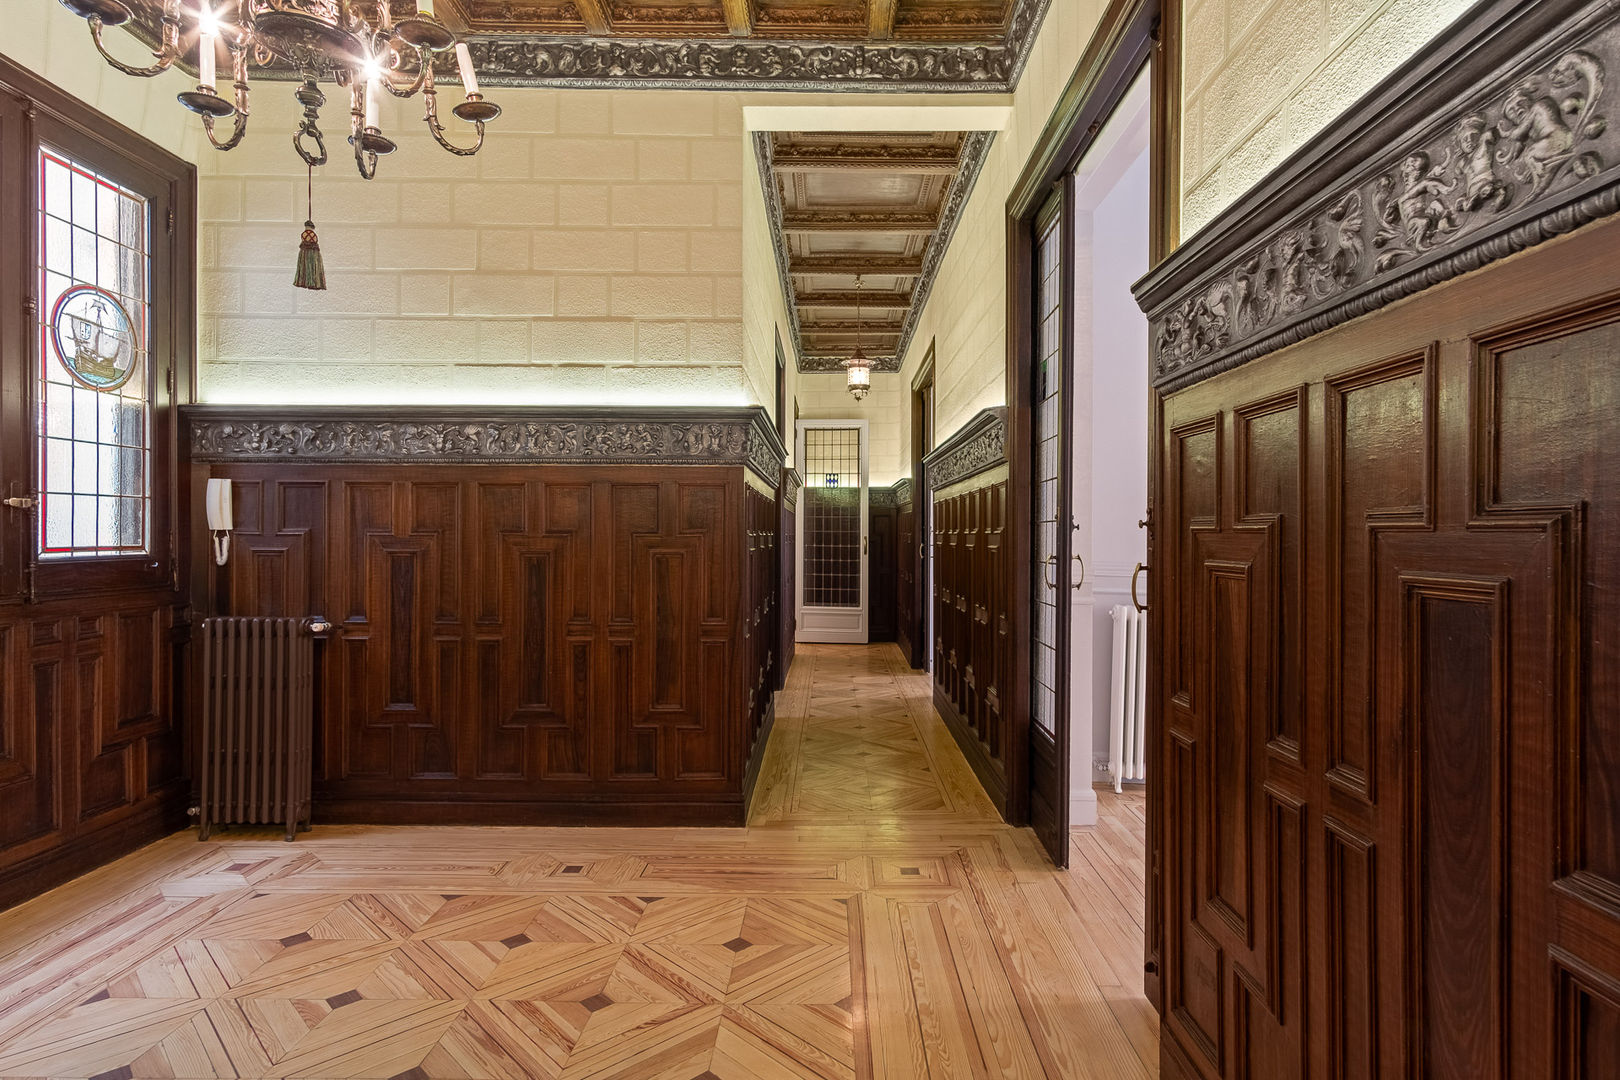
x: 219, y: 518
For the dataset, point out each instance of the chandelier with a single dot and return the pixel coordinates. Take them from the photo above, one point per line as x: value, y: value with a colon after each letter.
x: 858, y: 369
x: 320, y: 39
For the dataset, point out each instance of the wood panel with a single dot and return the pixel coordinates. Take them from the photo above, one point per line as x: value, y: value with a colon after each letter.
x: 91, y: 759
x: 1391, y: 721
x: 971, y: 645
x: 906, y: 583
x: 519, y: 643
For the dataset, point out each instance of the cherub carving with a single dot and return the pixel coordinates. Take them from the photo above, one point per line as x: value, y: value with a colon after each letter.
x: 1482, y: 188
x: 1424, y: 213
x: 1535, y: 136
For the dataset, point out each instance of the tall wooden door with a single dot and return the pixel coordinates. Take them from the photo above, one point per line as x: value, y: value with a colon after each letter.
x: 1390, y: 588
x: 1050, y: 531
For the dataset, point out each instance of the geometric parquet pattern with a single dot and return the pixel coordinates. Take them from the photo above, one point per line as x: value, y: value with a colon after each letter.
x: 874, y: 920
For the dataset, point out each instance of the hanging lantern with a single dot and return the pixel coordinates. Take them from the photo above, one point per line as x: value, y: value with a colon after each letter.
x: 858, y: 369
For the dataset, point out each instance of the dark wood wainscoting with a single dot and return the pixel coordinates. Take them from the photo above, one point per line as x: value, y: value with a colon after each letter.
x: 972, y: 617
x: 1390, y: 765
x: 91, y: 759
x: 521, y: 643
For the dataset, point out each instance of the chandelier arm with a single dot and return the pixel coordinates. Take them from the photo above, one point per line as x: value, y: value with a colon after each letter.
x: 167, y: 53
x: 410, y: 89
x: 364, y: 160
x: 239, y: 54
x: 432, y: 121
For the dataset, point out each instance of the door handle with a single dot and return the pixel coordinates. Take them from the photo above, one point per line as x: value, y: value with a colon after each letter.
x: 1082, y: 580
x: 1134, y: 575
x: 1051, y: 564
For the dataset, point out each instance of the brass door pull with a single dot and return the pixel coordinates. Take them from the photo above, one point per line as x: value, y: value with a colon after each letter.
x: 1051, y: 563
x: 1134, y: 575
x: 1082, y: 580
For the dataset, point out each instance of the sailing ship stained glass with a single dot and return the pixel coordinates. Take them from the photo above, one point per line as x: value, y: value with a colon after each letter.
x: 94, y: 337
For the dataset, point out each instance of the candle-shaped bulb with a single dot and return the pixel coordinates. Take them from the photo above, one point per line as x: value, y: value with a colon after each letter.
x: 207, y: 29
x: 424, y: 7
x: 373, y: 92
x: 469, y: 77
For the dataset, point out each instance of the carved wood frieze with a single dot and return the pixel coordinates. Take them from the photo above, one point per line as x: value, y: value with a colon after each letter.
x: 1528, y: 153
x: 792, y: 481
x: 978, y: 445
x: 801, y: 56
x: 541, y: 436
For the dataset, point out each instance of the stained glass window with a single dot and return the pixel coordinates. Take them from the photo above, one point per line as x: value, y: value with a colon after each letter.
x: 832, y: 531
x: 93, y: 390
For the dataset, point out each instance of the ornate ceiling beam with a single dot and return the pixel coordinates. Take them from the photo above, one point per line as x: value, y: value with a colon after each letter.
x: 880, y: 19
x: 739, y: 17
x: 878, y: 301
x: 598, y: 19
x: 860, y: 221
x: 845, y: 156
x: 866, y: 328
x: 850, y: 265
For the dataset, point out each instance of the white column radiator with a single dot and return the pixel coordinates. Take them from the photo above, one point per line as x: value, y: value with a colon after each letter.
x: 1127, y: 699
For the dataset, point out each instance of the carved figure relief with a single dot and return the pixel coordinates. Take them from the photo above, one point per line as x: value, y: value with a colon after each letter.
x: 1540, y: 134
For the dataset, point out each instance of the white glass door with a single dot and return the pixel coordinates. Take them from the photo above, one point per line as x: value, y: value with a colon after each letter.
x: 832, y: 530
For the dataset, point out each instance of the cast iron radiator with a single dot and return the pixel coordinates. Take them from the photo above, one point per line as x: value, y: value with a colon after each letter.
x: 258, y: 709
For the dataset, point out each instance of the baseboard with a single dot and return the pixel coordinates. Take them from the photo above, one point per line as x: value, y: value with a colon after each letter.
x: 40, y: 873
x: 978, y: 757
x: 621, y: 811
x: 1082, y: 807
x: 756, y: 758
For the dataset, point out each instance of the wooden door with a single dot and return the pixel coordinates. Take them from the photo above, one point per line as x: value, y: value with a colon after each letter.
x: 1389, y: 587
x: 1051, y: 531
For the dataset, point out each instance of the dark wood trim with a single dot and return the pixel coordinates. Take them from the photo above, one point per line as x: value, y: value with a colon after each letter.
x: 976, y: 446
x: 915, y: 631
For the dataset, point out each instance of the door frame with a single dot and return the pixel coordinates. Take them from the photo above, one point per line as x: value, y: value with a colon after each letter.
x: 1129, y: 36
x: 921, y: 555
x: 855, y: 634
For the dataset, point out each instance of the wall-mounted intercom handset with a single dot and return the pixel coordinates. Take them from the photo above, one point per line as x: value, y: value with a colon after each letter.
x: 219, y: 518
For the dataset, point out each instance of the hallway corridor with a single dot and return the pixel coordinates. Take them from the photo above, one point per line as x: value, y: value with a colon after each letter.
x: 875, y: 919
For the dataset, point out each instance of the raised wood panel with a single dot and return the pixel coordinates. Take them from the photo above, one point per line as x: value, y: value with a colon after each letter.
x: 1391, y: 714
x: 521, y: 643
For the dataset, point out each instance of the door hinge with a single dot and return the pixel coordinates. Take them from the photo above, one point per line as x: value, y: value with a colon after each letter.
x: 171, y: 221
x: 20, y: 502
x: 169, y: 380
x: 29, y: 307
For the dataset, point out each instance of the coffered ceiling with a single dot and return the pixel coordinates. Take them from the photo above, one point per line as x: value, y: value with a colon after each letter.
x: 861, y: 220
x: 904, y: 45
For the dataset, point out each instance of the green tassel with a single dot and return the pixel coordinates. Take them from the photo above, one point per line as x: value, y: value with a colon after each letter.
x: 311, y: 272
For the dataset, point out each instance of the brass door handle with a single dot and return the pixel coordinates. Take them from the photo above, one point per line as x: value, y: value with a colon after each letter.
x: 1134, y: 575
x: 1082, y: 563
x: 1051, y: 564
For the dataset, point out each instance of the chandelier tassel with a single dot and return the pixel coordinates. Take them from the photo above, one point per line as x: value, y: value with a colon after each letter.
x: 311, y: 272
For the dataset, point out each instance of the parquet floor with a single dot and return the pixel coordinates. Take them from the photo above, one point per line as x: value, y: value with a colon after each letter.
x: 874, y: 920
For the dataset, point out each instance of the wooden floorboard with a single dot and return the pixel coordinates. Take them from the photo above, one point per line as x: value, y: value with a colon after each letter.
x: 874, y: 920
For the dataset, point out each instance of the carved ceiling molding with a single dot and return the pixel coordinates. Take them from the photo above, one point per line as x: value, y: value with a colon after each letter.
x: 463, y: 436
x: 976, y: 446
x: 1513, y: 148
x: 722, y: 63
x: 975, y: 146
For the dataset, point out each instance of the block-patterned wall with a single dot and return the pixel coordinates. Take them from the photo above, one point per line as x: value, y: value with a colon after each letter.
x: 1260, y: 78
x: 765, y: 315
x: 592, y: 252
